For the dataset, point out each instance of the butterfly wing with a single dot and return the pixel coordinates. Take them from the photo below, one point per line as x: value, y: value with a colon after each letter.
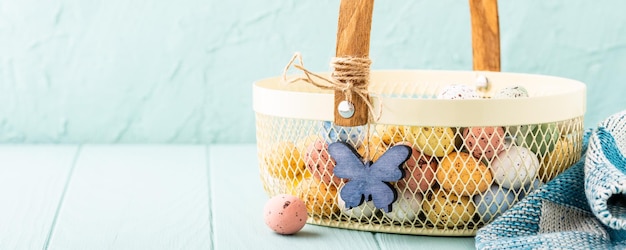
x: 348, y: 162
x: 383, y: 195
x: 349, y: 166
x: 352, y: 193
x: 368, y: 182
x: 388, y: 168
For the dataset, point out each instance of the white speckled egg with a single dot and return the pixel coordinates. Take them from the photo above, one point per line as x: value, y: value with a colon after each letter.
x: 458, y: 91
x: 406, y: 207
x: 285, y: 214
x: 365, y: 210
x: 511, y: 92
x: 515, y: 167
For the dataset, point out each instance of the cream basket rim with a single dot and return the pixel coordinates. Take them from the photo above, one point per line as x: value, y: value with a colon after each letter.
x: 552, y: 99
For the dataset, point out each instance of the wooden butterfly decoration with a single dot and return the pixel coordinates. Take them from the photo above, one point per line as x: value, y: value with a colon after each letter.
x: 369, y: 180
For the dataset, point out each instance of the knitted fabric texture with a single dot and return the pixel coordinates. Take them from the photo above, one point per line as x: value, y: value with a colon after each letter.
x: 583, y: 208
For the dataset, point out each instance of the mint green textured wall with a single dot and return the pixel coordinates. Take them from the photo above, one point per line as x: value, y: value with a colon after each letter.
x: 119, y: 71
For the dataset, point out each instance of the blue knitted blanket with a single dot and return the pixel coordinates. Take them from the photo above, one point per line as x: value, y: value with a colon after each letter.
x: 583, y: 208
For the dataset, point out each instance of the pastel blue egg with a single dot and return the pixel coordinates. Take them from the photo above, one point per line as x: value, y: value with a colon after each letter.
x: 493, y: 202
x: 528, y: 188
x: 334, y: 133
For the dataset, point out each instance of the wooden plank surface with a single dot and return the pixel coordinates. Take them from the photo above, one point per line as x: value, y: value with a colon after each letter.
x: 238, y: 199
x: 32, y: 180
x: 403, y: 242
x: 136, y: 197
x: 155, y: 197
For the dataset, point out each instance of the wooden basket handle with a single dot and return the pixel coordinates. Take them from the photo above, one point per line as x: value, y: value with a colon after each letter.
x: 485, y: 35
x: 353, y: 40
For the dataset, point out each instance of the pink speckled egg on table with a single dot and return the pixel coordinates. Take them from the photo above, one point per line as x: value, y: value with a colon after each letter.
x: 285, y: 214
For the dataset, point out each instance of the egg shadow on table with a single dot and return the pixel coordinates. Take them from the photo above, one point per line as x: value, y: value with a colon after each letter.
x: 306, y: 234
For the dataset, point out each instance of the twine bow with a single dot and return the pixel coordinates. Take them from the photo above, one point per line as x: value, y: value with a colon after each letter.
x: 350, y: 75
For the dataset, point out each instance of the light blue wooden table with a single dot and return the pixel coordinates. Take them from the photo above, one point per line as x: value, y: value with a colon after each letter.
x: 155, y: 197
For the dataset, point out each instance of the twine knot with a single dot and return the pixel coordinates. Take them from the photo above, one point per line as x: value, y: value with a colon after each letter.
x: 350, y: 76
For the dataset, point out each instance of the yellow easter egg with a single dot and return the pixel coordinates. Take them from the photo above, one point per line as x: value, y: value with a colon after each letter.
x: 557, y: 161
x: 291, y: 185
x: 448, y: 209
x: 463, y: 174
x: 320, y: 198
x: 374, y: 146
x: 433, y: 141
x: 390, y: 134
x: 285, y: 161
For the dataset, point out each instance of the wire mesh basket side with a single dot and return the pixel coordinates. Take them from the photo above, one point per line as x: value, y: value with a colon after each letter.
x: 456, y: 179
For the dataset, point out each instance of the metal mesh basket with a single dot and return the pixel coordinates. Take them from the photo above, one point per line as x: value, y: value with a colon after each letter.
x: 470, y: 159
